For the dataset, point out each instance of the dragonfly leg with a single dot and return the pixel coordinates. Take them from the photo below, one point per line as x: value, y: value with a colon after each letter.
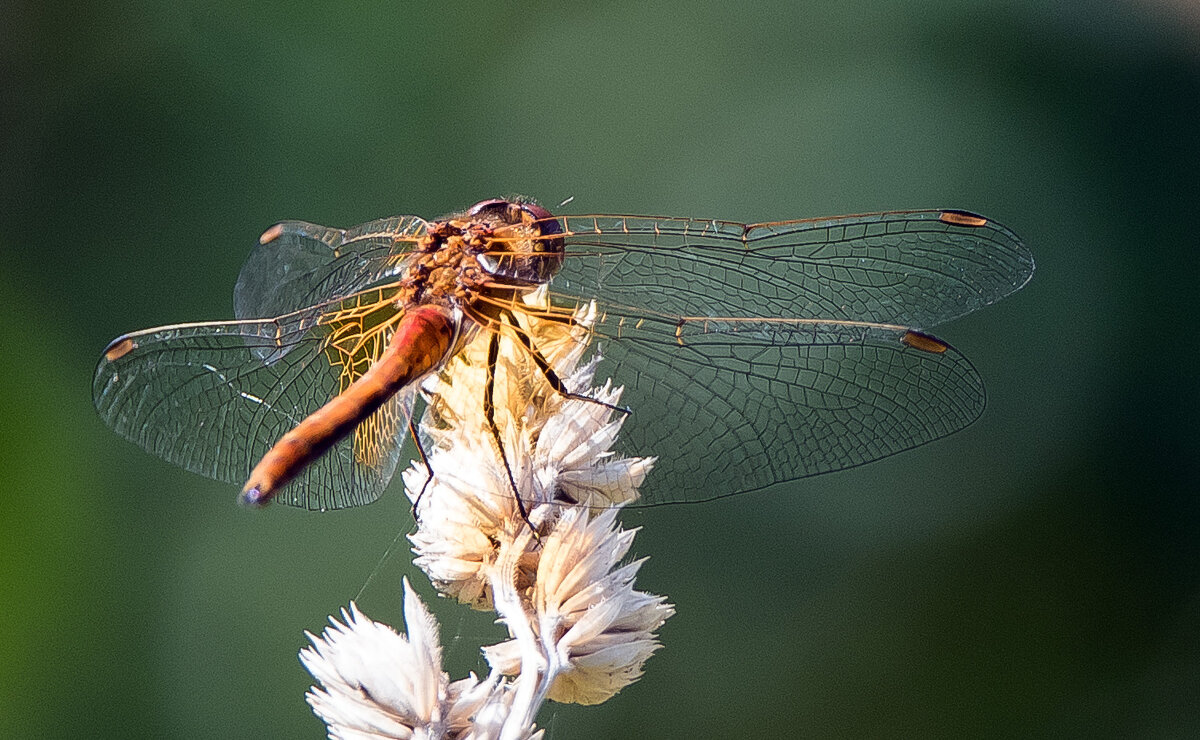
x: 412, y: 429
x: 489, y: 413
x: 548, y: 372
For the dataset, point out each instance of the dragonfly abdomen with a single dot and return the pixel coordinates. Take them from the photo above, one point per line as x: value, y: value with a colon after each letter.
x: 423, y: 338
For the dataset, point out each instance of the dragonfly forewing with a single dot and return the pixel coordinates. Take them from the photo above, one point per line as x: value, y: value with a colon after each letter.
x: 298, y: 264
x: 916, y: 268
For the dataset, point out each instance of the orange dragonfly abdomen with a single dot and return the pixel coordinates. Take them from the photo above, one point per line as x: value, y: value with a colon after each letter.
x: 422, y: 341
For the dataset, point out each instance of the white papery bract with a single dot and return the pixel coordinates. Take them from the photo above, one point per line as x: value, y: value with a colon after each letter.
x: 597, y: 628
x: 377, y: 684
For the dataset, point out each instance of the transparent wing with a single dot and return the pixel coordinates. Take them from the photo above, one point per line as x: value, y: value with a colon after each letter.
x: 758, y: 354
x: 915, y: 269
x: 214, y: 397
x: 298, y: 264
x: 730, y: 406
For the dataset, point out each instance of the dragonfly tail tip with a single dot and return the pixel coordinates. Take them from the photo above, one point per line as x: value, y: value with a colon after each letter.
x: 254, y: 498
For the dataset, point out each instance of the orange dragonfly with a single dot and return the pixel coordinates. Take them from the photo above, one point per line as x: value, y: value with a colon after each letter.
x: 775, y: 351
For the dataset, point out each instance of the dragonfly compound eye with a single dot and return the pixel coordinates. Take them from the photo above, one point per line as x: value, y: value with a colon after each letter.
x: 528, y: 233
x: 494, y: 207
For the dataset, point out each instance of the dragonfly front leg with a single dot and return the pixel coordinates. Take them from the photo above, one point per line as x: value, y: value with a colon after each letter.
x: 547, y: 371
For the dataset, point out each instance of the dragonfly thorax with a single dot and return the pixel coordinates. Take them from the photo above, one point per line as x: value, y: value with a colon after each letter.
x: 496, y: 251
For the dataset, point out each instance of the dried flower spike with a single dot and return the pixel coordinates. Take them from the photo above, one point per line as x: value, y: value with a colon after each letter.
x: 580, y: 631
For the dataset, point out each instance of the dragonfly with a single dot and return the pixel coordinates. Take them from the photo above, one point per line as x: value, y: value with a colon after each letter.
x: 751, y: 354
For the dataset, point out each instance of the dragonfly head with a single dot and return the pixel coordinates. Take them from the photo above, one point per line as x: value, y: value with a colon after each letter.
x: 528, y: 243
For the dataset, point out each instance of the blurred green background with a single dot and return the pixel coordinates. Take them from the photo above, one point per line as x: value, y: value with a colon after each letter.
x: 1035, y: 575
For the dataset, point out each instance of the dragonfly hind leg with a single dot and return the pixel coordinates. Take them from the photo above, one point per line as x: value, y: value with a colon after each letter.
x: 412, y: 430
